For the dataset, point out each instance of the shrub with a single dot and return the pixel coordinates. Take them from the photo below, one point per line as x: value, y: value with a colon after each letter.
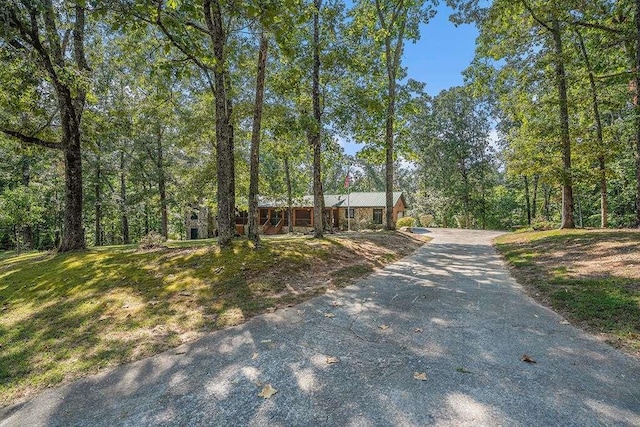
x: 46, y: 243
x: 407, y: 221
x: 426, y: 220
x: 5, y: 242
x: 151, y: 241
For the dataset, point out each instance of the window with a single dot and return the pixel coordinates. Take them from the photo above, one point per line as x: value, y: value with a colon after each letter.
x: 194, y: 215
x: 377, y: 216
x: 303, y: 218
x: 350, y: 213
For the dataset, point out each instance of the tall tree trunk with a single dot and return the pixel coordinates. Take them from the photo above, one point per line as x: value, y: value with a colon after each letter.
x: 231, y: 186
x: 287, y: 177
x: 98, y: 201
x: 604, y: 202
x: 27, y: 230
x: 252, y: 233
x: 392, y: 61
x: 71, y: 109
x: 224, y: 136
x: 124, y: 219
x: 314, y: 135
x: 527, y: 198
x: 561, y: 82
x: 599, y: 134
x: 73, y: 230
x: 162, y: 192
x: 637, y: 109
x: 546, y: 192
x: 534, y: 203
x: 391, y: 108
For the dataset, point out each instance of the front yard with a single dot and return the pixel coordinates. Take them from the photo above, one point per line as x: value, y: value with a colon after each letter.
x: 69, y: 315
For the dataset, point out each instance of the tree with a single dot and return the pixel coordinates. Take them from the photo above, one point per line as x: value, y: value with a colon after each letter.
x: 314, y: 134
x: 391, y: 23
x: 255, y: 139
x: 30, y: 35
x: 450, y: 139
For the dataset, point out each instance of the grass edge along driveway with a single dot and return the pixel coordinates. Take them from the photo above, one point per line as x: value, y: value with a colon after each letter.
x: 69, y: 315
x: 591, y: 277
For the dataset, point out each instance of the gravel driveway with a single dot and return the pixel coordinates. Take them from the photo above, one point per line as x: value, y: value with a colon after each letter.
x: 434, y: 339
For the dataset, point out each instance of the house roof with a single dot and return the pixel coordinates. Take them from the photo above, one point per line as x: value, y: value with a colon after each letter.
x: 356, y: 200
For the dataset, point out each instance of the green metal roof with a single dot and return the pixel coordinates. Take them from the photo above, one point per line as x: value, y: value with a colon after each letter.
x: 356, y: 200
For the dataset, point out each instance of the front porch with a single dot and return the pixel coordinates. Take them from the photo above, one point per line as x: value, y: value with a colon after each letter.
x: 276, y: 220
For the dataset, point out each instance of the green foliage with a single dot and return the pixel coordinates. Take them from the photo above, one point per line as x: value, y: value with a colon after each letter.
x: 21, y: 207
x: 426, y: 220
x: 406, y: 221
x: 450, y: 139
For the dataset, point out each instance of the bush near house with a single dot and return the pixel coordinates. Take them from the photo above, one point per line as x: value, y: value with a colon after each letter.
x: 407, y: 221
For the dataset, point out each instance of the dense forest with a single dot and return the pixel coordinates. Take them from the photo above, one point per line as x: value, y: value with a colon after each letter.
x: 117, y: 116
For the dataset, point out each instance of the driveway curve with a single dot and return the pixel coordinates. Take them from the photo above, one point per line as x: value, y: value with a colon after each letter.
x: 434, y: 339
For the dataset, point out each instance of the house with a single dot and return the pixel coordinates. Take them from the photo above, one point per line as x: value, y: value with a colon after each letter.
x: 366, y: 210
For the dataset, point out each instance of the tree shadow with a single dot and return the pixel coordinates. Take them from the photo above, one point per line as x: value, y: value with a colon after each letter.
x: 465, y: 326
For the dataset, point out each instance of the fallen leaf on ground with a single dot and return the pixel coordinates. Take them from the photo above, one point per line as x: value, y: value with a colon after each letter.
x: 329, y: 315
x: 271, y: 309
x: 255, y: 356
x: 527, y: 359
x: 422, y: 376
x: 463, y: 370
x: 332, y: 359
x: 564, y: 322
x: 267, y: 391
x: 218, y: 270
x: 383, y: 327
x: 181, y: 351
x: 336, y: 304
x: 417, y: 330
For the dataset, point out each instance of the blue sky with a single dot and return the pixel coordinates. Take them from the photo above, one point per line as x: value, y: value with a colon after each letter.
x: 442, y: 52
x: 438, y: 58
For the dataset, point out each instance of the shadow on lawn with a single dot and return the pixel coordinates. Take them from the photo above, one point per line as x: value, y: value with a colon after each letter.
x: 470, y: 380
x: 71, y: 314
x: 601, y: 297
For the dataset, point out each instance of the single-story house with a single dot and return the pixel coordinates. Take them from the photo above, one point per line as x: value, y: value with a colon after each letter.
x: 366, y: 210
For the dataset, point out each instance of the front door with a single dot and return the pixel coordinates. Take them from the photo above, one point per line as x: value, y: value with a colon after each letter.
x: 194, y: 233
x: 276, y: 216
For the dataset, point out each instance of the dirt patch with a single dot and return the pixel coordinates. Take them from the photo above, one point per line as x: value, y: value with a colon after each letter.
x: 350, y: 257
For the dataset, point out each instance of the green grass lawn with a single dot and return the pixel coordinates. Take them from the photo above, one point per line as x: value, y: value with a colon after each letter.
x: 68, y: 315
x: 592, y: 277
